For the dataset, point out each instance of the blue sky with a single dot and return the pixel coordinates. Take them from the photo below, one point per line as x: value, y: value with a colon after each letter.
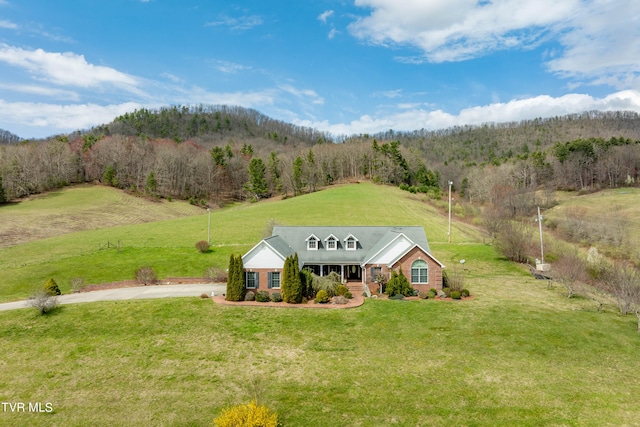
x: 346, y: 67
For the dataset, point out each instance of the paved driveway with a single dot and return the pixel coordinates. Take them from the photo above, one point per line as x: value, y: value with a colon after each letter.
x: 141, y: 292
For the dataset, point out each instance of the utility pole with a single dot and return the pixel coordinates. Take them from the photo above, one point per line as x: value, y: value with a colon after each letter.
x: 541, y: 246
x: 209, y: 227
x: 449, y: 232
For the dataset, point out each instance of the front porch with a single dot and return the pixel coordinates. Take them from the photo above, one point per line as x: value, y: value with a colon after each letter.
x: 349, y: 273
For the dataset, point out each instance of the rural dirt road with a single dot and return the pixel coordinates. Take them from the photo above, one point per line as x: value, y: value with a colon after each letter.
x: 140, y: 292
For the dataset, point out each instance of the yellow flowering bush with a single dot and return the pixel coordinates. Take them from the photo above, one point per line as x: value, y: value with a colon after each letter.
x: 249, y: 415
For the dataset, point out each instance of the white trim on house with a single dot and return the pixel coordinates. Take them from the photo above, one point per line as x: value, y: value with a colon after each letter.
x: 331, y: 238
x: 263, y: 255
x: 377, y: 258
x: 315, y: 239
x: 399, y: 257
x: 350, y: 239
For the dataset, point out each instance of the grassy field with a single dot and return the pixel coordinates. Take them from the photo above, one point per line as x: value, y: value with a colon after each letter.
x: 518, y: 353
x: 613, y: 216
x: 84, y: 207
x: 168, y: 245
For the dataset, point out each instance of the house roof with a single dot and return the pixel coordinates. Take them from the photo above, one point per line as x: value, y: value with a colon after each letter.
x: 370, y: 240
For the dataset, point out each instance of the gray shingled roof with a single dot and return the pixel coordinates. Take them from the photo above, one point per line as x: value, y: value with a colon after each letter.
x: 288, y: 240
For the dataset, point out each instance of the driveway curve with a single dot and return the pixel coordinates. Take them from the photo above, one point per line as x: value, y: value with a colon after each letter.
x: 139, y: 292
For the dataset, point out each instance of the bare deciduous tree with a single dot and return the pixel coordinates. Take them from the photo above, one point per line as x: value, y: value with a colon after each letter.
x: 146, y: 275
x: 570, y: 271
x: 44, y: 302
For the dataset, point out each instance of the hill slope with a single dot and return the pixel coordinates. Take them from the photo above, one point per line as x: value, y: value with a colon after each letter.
x: 80, y: 208
x: 168, y: 245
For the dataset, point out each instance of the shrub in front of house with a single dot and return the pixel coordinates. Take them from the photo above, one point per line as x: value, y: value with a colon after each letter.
x: 398, y: 284
x: 250, y: 296
x: 455, y: 295
x: 423, y: 295
x: 341, y: 300
x: 465, y: 292
x: 447, y: 292
x: 263, y: 296
x: 276, y: 297
x: 341, y: 290
x: 322, y: 297
x: 397, y: 297
x: 235, y: 282
x: 348, y: 295
x: 432, y: 294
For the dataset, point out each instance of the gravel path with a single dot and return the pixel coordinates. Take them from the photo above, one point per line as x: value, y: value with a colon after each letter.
x: 139, y: 292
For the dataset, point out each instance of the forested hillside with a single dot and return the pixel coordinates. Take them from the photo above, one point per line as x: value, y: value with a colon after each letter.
x: 210, y: 154
x: 210, y: 124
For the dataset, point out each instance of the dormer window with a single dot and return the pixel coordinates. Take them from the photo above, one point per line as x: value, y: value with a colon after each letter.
x: 332, y: 243
x: 312, y: 243
x: 351, y: 243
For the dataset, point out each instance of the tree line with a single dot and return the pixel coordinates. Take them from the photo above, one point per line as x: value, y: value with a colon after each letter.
x: 255, y: 167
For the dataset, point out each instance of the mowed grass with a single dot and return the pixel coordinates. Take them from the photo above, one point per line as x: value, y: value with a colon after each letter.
x: 516, y: 354
x: 169, y: 245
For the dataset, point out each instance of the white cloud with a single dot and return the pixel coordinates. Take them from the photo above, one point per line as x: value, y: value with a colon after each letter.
x: 8, y: 24
x: 333, y: 33
x: 454, y: 30
x: 171, y: 77
x: 241, y: 23
x: 603, y: 45
x: 599, y: 39
x: 325, y: 15
x: 41, y: 90
x: 229, y: 67
x: 303, y: 93
x: 66, y: 69
x: 515, y: 110
x: 41, y: 119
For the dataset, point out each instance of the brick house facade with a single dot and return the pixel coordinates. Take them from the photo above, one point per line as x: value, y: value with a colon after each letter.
x: 356, y: 253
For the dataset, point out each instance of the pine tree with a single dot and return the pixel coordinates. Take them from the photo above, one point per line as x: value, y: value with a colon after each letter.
x: 235, y: 282
x: 51, y: 287
x: 285, y: 285
x: 240, y: 278
x: 257, y: 184
x: 292, y: 283
x: 152, y: 184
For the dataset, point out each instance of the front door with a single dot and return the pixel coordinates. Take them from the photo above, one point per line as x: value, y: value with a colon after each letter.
x: 353, y: 273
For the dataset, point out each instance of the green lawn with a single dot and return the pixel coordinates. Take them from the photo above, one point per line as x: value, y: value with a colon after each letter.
x: 517, y: 353
x: 168, y: 245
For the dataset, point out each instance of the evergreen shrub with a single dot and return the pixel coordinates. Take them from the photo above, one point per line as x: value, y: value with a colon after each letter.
x: 51, y: 287
x: 322, y: 297
x: 276, y: 297
x: 263, y: 296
